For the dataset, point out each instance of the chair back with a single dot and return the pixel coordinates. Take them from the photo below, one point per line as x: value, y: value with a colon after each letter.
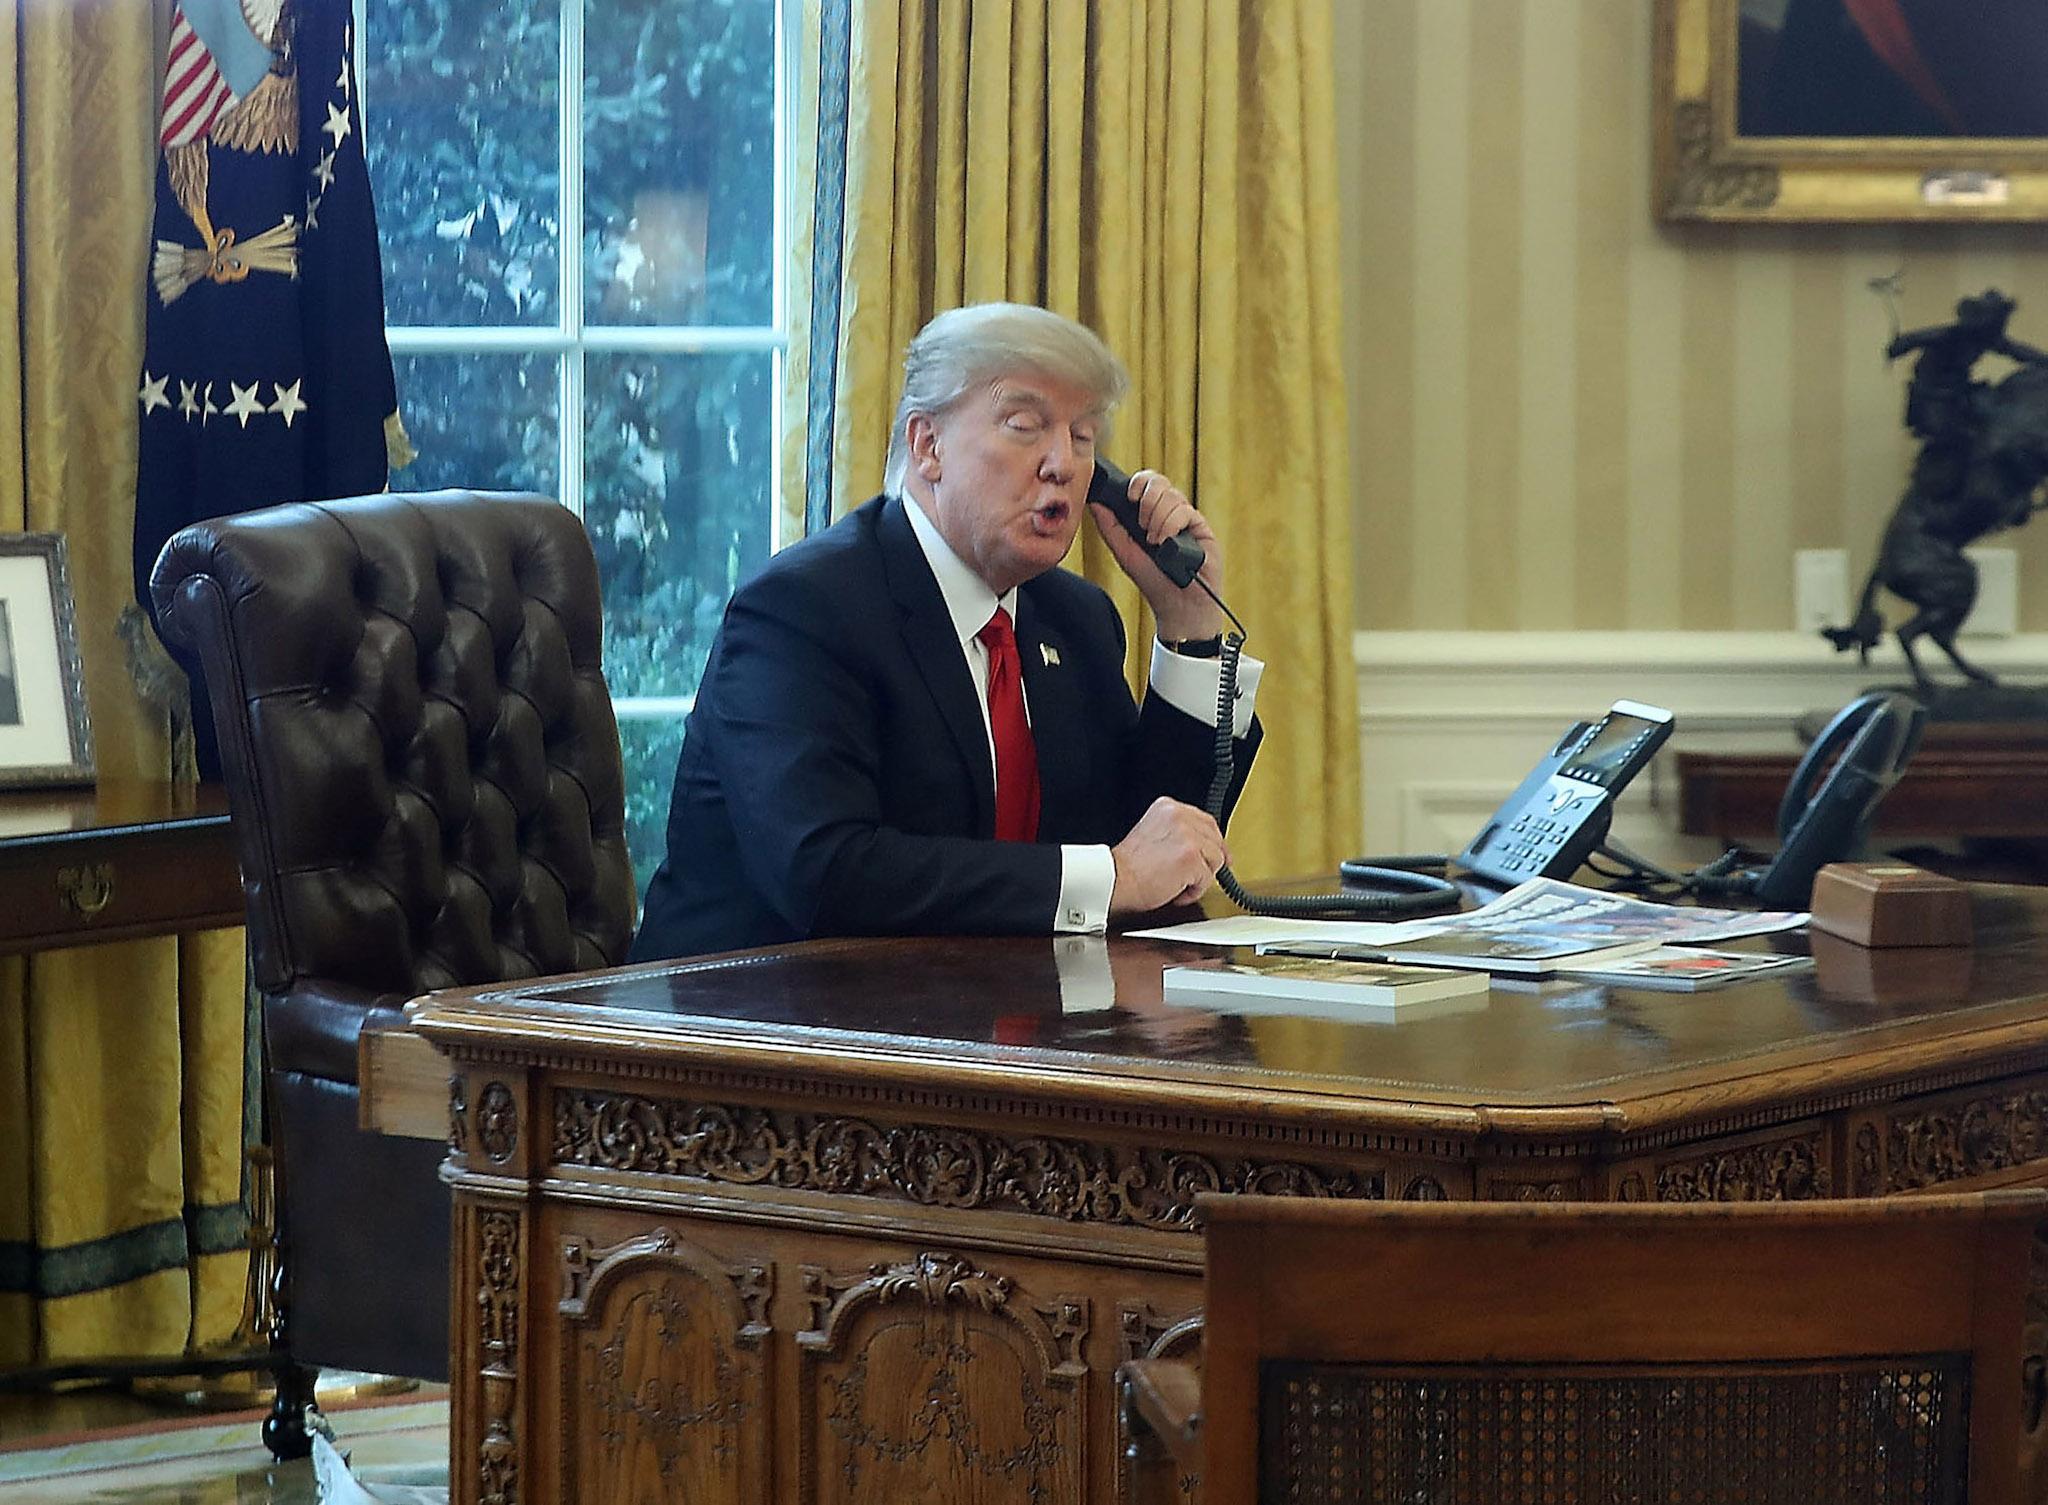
x: 419, y: 748
x: 1809, y: 1353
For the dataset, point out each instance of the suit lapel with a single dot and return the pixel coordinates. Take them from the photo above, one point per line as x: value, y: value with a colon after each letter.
x: 1053, y: 686
x: 928, y: 636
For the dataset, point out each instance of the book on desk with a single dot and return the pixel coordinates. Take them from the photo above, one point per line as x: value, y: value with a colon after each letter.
x: 1320, y: 986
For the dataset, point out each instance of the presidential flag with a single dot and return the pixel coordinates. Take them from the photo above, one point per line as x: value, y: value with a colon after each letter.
x: 266, y: 377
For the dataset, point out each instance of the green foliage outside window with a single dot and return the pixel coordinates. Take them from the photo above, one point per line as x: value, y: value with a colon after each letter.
x: 463, y: 105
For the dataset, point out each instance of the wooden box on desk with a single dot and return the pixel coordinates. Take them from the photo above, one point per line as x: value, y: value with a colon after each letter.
x: 1890, y: 904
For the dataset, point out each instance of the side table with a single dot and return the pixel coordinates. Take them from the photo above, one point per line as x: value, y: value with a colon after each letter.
x: 1970, y: 782
x: 113, y: 863
x: 124, y: 860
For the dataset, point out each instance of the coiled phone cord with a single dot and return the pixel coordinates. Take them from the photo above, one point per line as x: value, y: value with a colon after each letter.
x: 1416, y: 893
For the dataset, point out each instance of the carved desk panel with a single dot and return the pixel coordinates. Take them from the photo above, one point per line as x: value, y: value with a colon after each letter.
x: 868, y: 1221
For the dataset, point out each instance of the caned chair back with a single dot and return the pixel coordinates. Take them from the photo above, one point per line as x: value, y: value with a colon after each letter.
x: 1808, y: 1353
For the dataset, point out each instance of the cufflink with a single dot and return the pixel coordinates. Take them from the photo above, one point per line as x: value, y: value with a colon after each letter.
x: 1051, y: 655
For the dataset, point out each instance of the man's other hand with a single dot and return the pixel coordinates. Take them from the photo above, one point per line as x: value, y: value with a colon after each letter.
x: 1170, y: 857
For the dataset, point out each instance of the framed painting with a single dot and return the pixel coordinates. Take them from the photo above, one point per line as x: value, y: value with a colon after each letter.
x: 1851, y: 110
x: 45, y: 732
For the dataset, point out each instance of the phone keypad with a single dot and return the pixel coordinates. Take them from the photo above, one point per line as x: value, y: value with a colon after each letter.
x: 1532, y: 841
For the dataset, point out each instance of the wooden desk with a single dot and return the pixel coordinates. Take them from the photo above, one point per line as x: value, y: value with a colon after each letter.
x: 875, y: 1221
x: 123, y: 860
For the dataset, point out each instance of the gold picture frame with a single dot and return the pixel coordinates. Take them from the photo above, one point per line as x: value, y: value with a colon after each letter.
x: 1707, y: 169
x: 45, y: 731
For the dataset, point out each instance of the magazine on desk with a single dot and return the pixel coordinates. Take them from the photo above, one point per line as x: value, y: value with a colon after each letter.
x: 1686, y: 968
x: 1508, y: 952
x: 1545, y: 906
x: 1545, y: 926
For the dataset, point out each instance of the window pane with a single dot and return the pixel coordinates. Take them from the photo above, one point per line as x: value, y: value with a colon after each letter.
x: 675, y: 485
x: 650, y: 746
x: 491, y: 422
x: 461, y: 99
x: 679, y: 161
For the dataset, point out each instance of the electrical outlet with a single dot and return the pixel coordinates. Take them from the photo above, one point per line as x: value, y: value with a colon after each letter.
x: 1820, y: 589
x: 1997, y: 612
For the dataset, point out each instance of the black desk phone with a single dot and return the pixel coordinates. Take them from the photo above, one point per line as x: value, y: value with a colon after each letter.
x: 1560, y: 812
x: 1826, y: 812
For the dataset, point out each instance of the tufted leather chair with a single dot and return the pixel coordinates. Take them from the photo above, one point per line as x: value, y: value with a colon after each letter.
x: 424, y: 773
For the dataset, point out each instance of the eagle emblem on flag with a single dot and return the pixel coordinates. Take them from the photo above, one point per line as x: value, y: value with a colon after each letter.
x: 230, y: 81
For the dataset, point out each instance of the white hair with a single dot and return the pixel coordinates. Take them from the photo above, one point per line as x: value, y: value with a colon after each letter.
x: 963, y: 349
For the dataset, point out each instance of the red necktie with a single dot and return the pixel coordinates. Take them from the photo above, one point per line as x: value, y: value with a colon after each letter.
x: 1016, y: 755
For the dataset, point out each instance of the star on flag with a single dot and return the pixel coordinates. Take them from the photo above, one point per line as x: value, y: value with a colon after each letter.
x: 245, y: 404
x: 155, y: 393
x: 288, y: 404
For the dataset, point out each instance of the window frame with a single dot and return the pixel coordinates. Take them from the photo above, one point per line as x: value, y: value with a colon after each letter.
x: 571, y: 339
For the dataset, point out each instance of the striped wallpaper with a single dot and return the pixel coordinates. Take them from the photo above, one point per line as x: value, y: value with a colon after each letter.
x: 1567, y: 416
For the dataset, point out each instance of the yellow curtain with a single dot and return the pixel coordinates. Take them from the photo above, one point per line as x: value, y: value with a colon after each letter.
x: 121, y: 1066
x: 1162, y: 170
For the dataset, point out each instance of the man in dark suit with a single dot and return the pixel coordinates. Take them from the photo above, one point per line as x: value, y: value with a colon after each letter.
x: 860, y: 759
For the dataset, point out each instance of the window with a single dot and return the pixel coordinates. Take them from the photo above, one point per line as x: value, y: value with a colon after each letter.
x: 581, y: 210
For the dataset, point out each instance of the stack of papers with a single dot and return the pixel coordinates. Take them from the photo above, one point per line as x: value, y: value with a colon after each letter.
x: 1507, y: 952
x: 1542, y: 906
x: 1536, y: 929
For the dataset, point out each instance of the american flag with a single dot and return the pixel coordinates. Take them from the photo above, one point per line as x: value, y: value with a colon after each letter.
x: 194, y: 91
x: 216, y: 57
x: 265, y: 375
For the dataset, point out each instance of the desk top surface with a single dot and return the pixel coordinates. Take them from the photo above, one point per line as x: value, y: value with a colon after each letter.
x: 981, y: 1011
x: 113, y: 806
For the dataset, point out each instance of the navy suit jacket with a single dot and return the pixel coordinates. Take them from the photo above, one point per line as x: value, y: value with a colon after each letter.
x: 835, y: 775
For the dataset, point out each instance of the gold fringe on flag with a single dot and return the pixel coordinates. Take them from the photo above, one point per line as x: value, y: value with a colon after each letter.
x: 398, y: 450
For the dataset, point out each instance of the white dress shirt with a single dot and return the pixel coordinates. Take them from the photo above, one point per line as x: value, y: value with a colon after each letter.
x: 1190, y: 685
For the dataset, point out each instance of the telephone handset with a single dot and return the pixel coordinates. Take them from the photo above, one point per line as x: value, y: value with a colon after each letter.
x: 1826, y: 812
x: 1180, y: 559
x: 1561, y: 811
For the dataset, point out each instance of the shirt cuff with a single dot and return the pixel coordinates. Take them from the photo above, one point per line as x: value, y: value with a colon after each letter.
x: 1189, y: 685
x: 1087, y: 875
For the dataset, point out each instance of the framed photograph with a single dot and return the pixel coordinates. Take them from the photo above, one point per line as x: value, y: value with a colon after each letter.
x: 1851, y: 110
x: 45, y: 732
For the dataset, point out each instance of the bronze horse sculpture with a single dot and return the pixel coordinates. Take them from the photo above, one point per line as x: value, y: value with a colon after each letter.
x: 1983, y: 457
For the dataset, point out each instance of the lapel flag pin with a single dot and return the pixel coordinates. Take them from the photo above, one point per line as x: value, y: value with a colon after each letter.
x: 1052, y: 654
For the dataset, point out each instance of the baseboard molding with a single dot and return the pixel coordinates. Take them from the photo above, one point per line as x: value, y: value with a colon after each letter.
x: 1450, y: 721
